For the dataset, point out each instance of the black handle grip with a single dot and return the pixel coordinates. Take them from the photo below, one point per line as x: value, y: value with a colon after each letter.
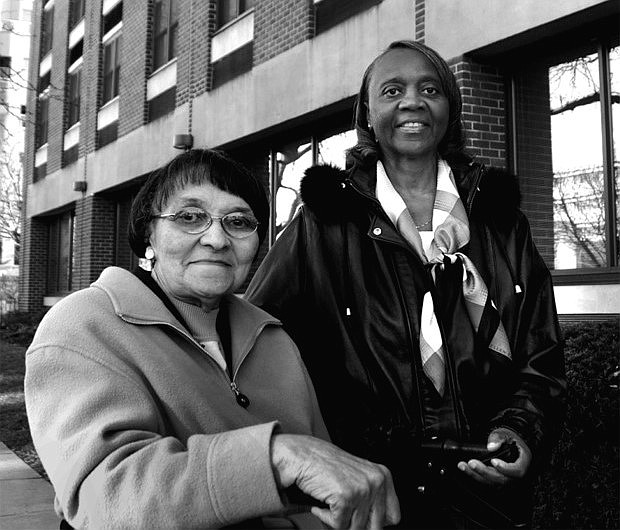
x: 508, y: 451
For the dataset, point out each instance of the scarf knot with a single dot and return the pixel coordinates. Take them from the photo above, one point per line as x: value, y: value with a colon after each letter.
x: 451, y: 233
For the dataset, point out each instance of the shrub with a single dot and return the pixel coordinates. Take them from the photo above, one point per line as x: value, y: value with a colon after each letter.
x: 580, y: 488
x: 19, y: 328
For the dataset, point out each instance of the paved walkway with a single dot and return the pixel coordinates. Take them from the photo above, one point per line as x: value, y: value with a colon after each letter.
x: 26, y: 499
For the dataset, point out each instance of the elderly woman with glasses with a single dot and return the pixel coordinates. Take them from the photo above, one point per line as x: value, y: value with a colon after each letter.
x: 161, y: 400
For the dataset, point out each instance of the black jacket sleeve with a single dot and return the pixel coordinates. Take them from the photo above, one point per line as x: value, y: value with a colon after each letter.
x: 535, y: 409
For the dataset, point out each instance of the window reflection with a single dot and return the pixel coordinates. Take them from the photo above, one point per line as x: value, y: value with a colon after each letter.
x: 577, y: 158
x: 332, y: 150
x: 614, y: 70
x: 291, y: 162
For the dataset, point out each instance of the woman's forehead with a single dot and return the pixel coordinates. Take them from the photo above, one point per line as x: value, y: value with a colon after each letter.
x: 206, y: 194
x: 402, y: 62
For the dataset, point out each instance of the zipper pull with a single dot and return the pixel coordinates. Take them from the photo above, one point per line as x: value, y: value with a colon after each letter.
x: 242, y: 399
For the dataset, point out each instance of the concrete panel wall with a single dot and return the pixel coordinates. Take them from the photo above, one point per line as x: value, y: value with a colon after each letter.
x: 455, y: 27
x: 309, y: 76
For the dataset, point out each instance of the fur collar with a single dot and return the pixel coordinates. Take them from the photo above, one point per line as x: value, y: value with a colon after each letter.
x: 327, y: 192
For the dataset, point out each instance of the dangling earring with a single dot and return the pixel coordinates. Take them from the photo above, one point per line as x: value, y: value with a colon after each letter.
x: 147, y: 262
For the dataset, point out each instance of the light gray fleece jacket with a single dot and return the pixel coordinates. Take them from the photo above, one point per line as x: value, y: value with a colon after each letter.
x: 137, y: 427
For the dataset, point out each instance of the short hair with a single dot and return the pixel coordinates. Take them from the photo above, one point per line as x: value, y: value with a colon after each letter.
x: 195, y: 166
x: 451, y: 146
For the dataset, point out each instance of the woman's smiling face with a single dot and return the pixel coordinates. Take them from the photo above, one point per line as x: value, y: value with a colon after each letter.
x: 407, y: 107
x: 201, y: 268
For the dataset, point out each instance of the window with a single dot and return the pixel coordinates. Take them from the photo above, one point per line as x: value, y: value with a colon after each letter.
x: 111, y: 68
x: 5, y: 67
x: 5, y: 75
x: 47, y: 31
x: 76, y: 12
x: 289, y: 163
x: 567, y: 121
x: 42, y: 120
x: 60, y: 254
x: 165, y: 32
x: 228, y: 10
x: 73, y: 97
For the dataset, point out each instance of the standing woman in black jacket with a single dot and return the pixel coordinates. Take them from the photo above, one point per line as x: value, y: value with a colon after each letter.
x: 421, y: 306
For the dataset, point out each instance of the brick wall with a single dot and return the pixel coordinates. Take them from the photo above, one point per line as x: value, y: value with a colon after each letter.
x: 484, y: 111
x: 280, y: 25
x: 94, y: 239
x: 33, y: 250
x: 90, y: 90
x: 32, y: 265
x: 534, y: 156
x: 56, y: 127
x: 194, y: 71
x: 136, y: 59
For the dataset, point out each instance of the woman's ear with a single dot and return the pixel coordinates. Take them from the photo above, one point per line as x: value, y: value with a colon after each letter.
x: 368, y: 116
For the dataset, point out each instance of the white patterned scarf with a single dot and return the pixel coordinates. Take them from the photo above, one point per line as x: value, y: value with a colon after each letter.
x: 451, y: 233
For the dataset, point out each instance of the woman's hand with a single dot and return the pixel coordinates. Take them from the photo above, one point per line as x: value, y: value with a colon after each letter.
x: 359, y: 494
x: 499, y: 473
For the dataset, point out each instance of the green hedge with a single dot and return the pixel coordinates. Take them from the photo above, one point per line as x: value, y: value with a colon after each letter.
x: 19, y: 328
x: 580, y: 488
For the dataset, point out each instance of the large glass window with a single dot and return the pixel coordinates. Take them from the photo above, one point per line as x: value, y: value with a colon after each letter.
x: 111, y: 68
x: 47, y: 31
x: 581, y: 184
x: 289, y: 163
x: 42, y: 120
x: 60, y: 254
x: 567, y: 156
x: 228, y: 10
x: 76, y: 11
x: 73, y: 97
x: 165, y: 32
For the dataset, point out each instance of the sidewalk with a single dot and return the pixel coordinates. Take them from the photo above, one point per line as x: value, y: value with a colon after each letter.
x: 26, y: 499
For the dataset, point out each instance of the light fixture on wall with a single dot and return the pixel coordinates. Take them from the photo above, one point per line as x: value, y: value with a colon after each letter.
x: 79, y: 185
x: 183, y: 141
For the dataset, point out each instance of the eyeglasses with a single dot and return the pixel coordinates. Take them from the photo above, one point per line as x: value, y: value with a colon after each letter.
x: 195, y: 221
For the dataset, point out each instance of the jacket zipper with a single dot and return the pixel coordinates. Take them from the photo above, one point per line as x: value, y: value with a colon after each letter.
x: 240, y: 397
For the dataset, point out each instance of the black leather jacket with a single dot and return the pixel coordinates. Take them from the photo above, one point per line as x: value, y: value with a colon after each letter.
x: 349, y: 290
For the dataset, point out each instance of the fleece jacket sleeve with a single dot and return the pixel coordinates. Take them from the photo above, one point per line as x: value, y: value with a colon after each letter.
x: 96, y: 429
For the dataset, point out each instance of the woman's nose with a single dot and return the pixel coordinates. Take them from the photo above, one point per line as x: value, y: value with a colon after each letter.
x: 215, y: 236
x: 411, y: 99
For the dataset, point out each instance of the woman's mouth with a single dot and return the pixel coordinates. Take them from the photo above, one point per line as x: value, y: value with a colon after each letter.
x: 411, y: 126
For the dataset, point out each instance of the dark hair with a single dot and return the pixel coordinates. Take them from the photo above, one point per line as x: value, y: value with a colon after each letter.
x: 195, y: 166
x: 452, y: 144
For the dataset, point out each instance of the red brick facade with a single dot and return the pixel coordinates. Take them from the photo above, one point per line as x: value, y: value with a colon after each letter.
x: 484, y: 111
x: 90, y: 92
x: 194, y: 71
x: 57, y: 88
x: 94, y: 238
x: 280, y: 25
x: 136, y: 54
x: 33, y: 250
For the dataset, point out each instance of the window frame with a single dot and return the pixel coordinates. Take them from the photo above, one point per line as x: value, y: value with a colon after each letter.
x: 601, y: 45
x: 47, y: 31
x: 42, y: 122
x: 75, y: 15
x: 73, y: 97
x: 318, y: 135
x: 236, y: 8
x: 169, y: 31
x: 115, y: 44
